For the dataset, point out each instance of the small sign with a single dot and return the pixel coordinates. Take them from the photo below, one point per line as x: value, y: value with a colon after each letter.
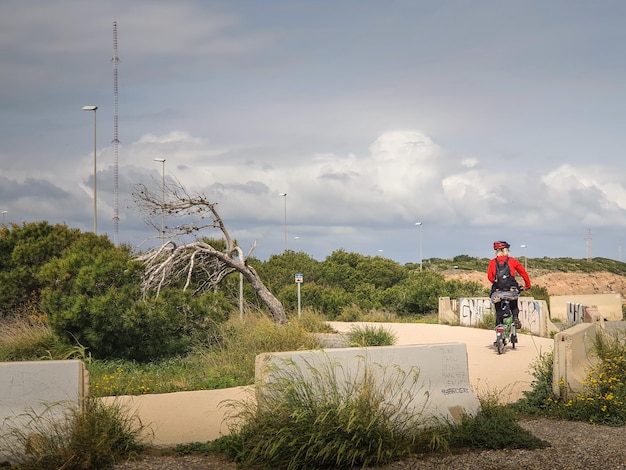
x: 299, y: 279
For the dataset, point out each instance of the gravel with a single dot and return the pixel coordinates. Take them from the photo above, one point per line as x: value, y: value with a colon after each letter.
x: 573, y: 445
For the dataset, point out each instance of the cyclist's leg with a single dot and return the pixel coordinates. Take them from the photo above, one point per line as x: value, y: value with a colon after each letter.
x: 499, y: 312
x: 515, y: 312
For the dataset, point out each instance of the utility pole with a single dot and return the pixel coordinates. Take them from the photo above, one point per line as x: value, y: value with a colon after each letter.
x: 588, y: 240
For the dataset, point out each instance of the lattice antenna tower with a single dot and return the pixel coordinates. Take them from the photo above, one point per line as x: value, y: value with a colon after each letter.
x: 116, y: 218
x: 588, y: 240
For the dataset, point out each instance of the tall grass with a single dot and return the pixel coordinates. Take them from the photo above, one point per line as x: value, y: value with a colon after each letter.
x: 229, y: 362
x: 369, y: 335
x: 24, y: 338
x: 329, y: 419
x: 326, y: 419
x: 92, y: 438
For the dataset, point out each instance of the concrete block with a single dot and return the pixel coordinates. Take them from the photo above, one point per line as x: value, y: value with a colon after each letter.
x: 447, y: 314
x: 183, y: 417
x: 39, y: 388
x: 608, y: 305
x: 441, y: 390
x: 572, y: 358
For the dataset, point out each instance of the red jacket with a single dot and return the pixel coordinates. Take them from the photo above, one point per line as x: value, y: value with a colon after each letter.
x: 515, y: 266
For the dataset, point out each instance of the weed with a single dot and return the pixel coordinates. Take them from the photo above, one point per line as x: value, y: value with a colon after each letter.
x: 368, y: 335
x: 94, y: 437
x: 494, y: 427
x: 538, y: 400
x: 487, y: 322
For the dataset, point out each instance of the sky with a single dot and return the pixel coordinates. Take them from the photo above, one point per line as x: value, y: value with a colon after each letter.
x: 482, y: 120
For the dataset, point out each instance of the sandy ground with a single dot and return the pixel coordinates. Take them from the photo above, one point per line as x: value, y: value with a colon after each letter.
x: 509, y: 374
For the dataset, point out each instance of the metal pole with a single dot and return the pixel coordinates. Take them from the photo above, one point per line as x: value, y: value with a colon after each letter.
x: 525, y: 257
x: 4, y: 213
x: 299, y: 309
x: 285, y: 196
x: 95, y: 172
x: 419, y: 224
x: 95, y: 190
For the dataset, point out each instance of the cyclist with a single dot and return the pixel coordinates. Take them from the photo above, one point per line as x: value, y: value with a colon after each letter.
x: 502, y: 278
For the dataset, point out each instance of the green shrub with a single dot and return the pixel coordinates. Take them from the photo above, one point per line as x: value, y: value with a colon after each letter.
x: 603, y: 400
x: 495, y: 426
x: 539, y: 399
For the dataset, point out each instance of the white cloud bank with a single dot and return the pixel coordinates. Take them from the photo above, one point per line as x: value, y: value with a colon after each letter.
x: 359, y: 202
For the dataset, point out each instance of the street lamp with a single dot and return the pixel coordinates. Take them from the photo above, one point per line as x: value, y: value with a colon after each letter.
x: 419, y: 224
x: 95, y: 192
x: 525, y: 257
x: 285, y: 196
x: 162, y: 160
x: 4, y: 214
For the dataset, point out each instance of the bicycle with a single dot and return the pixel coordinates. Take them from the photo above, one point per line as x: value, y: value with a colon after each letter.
x: 508, y: 328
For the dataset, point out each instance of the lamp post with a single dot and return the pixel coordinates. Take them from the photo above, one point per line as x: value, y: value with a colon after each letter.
x: 525, y: 257
x: 419, y: 224
x: 162, y: 161
x: 95, y: 191
x: 4, y: 214
x: 285, y: 196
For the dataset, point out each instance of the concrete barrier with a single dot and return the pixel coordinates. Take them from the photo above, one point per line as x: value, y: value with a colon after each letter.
x: 472, y: 311
x: 447, y: 311
x: 608, y: 305
x: 442, y: 388
x: 572, y: 358
x: 183, y: 417
x: 44, y: 389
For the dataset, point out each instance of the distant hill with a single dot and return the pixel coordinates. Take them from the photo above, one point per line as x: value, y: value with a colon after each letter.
x: 558, y: 283
x: 560, y: 276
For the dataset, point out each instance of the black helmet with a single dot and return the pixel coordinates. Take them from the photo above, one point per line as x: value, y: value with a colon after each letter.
x: 500, y: 245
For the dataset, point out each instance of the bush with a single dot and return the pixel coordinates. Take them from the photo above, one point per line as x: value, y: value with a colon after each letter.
x: 539, y: 398
x: 494, y: 427
x: 603, y: 400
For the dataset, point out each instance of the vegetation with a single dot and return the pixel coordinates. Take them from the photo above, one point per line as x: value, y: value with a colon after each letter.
x: 367, y: 335
x: 333, y: 421
x: 603, y: 399
x: 65, y: 294
x: 92, y: 438
x: 327, y: 421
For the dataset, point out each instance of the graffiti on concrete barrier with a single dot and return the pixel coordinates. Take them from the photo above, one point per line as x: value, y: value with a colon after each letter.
x: 473, y: 309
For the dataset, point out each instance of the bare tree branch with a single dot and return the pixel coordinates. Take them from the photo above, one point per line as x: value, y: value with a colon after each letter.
x: 197, y: 263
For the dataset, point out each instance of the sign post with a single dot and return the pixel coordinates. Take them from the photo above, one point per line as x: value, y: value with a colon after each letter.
x: 299, y: 281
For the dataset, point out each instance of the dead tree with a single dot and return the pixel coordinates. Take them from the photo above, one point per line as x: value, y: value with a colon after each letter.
x: 197, y: 263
